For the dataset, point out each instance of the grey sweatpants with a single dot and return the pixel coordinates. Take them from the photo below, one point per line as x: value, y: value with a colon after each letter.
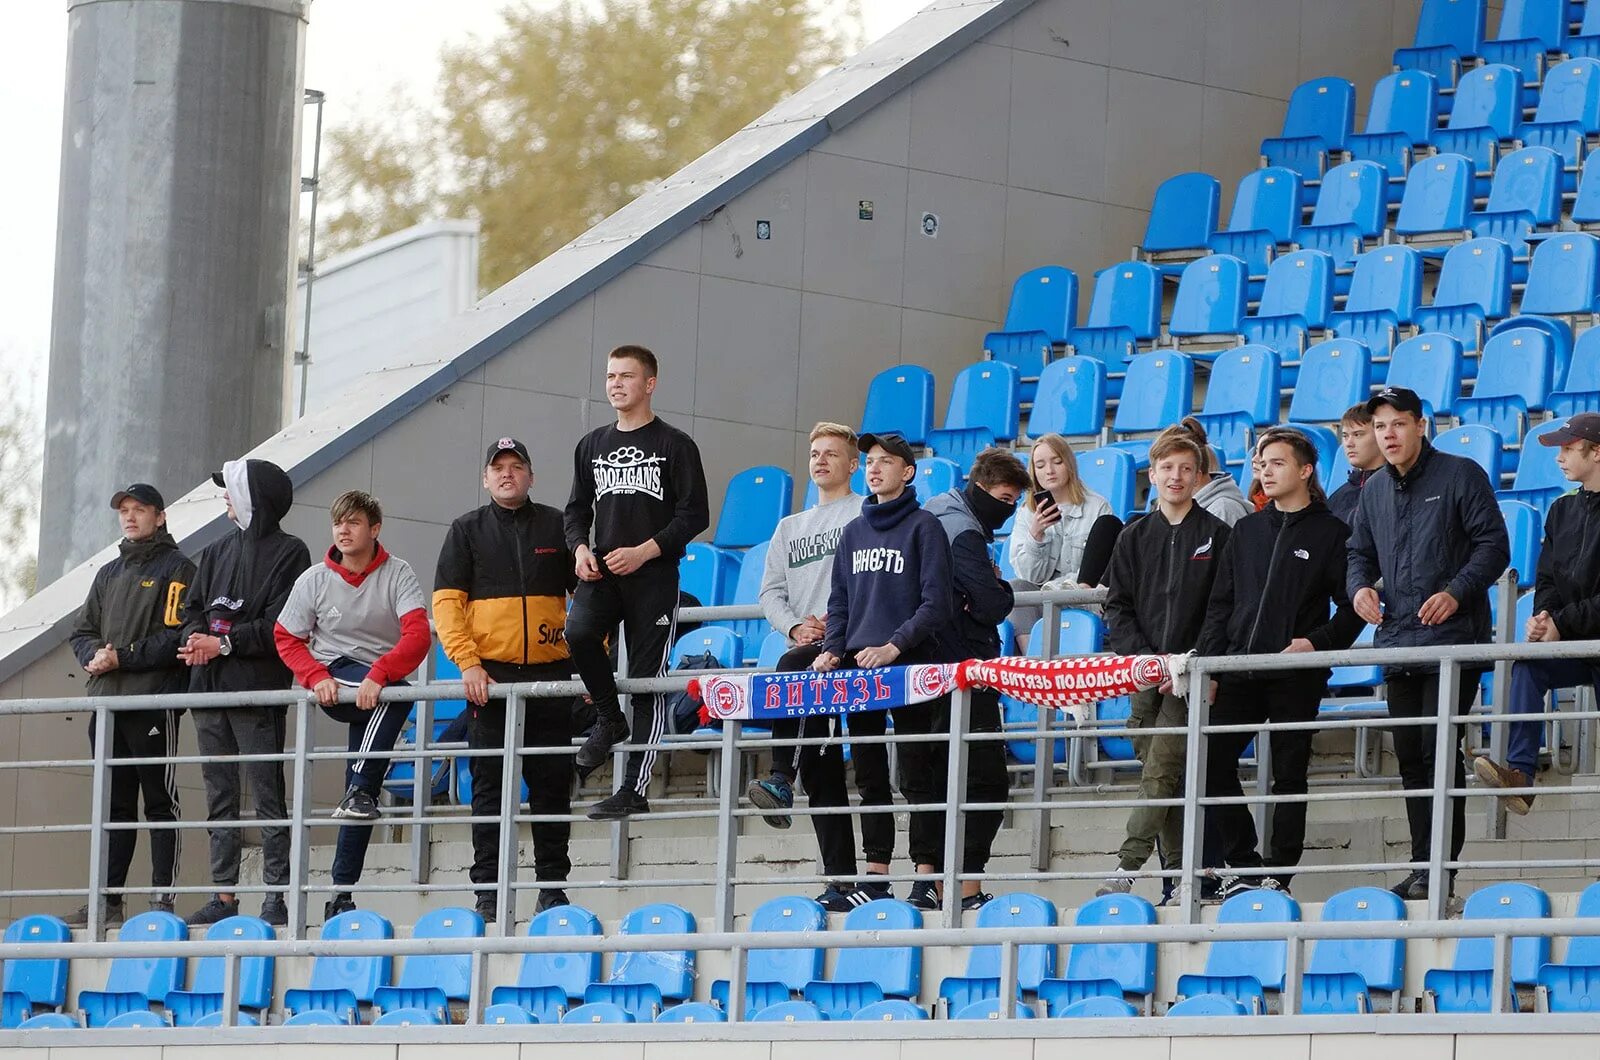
x: 222, y: 733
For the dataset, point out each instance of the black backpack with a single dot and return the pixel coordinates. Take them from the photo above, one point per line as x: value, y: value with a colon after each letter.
x: 682, y: 708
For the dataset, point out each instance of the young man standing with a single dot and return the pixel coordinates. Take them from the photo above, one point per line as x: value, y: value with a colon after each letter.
x: 1160, y: 579
x: 240, y: 585
x: 639, y: 488
x: 126, y: 640
x: 982, y: 600
x: 1429, y: 530
x: 500, y: 604
x: 1365, y: 459
x: 1281, y: 571
x: 1566, y: 605
x: 891, y: 605
x: 359, y: 620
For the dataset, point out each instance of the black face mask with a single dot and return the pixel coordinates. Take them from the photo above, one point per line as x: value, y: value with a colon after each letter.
x: 991, y: 512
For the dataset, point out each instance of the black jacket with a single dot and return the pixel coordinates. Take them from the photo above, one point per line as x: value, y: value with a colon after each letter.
x: 1568, y: 581
x: 982, y: 598
x: 1278, y: 574
x: 1160, y: 580
x: 1437, y: 528
x: 135, y: 604
x: 240, y: 585
x: 1346, y: 498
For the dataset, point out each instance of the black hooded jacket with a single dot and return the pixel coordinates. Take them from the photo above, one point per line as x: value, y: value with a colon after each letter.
x: 1160, y: 580
x: 135, y: 604
x: 240, y: 585
x: 1346, y: 498
x: 1568, y: 581
x: 982, y: 599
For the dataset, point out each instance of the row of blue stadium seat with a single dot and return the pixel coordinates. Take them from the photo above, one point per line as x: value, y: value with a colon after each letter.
x: 1450, y: 35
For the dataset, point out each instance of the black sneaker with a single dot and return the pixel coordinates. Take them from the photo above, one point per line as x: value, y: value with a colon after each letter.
x: 212, y: 912
x: 340, y: 903
x: 112, y: 915
x: 976, y: 901
x: 487, y: 908
x: 1414, y: 887
x: 357, y: 805
x: 924, y: 895
x: 550, y: 899
x: 774, y: 793
x: 874, y: 890
x: 159, y: 906
x: 274, y: 911
x: 606, y: 734
x: 623, y: 804
x: 843, y: 897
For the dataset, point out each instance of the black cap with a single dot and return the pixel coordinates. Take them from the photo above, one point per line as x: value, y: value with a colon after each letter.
x: 508, y: 445
x: 891, y: 443
x: 142, y: 492
x: 1584, y: 427
x: 1398, y: 398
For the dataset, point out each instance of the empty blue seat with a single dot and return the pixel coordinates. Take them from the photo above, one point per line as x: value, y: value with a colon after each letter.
x: 1482, y: 445
x: 33, y: 982
x: 430, y: 981
x: 509, y: 1015
x: 692, y: 1012
x: 1560, y: 333
x: 1093, y: 1008
x: 1487, y: 110
x: 862, y: 976
x: 747, y: 590
x: 1333, y: 376
x: 1243, y: 970
x: 1342, y: 973
x: 1466, y: 986
x: 1448, y: 31
x: 411, y: 1016
x: 1296, y: 298
x: 315, y: 1017
x: 1430, y: 364
x: 1124, y: 311
x: 1111, y: 969
x: 1403, y: 114
x: 1585, y: 211
x: 138, y: 982
x: 1513, y: 379
x: 1035, y: 962
x: 1329, y: 450
x: 139, y: 1017
x: 889, y: 1010
x: 1078, y: 633
x: 1241, y: 396
x: 1467, y: 990
x: 598, y: 1012
x: 1209, y: 1005
x: 773, y: 648
x: 1574, y: 985
x: 1569, y: 112
x: 787, y: 970
x: 1529, y: 31
x: 1265, y: 214
x: 546, y: 982
x: 1525, y: 196
x: 1183, y: 215
x: 1211, y: 298
x: 708, y: 573
x: 1525, y: 529
x: 1586, y: 42
x: 339, y: 985
x: 1474, y: 287
x: 754, y: 502
x: 1320, y: 117
x: 789, y: 1012
x: 721, y: 643
x: 255, y: 974
x: 935, y: 475
x: 1352, y: 208
x: 1538, y: 480
x: 1159, y: 392
x: 1026, y: 351
x: 1562, y: 275
x: 1384, y: 291
x: 49, y: 1021
x: 1437, y: 198
x: 1110, y: 473
x: 900, y: 401
x: 214, y: 1019
x: 1044, y: 299
x: 989, y: 1009
x: 1071, y: 398
x: 642, y: 981
x: 1580, y: 390
x: 984, y: 395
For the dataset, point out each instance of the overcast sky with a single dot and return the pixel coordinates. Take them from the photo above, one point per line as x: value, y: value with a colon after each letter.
x: 357, y: 67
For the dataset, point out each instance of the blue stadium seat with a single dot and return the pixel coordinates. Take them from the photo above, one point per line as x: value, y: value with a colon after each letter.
x: 1468, y: 990
x: 1044, y: 299
x: 775, y: 975
x: 1560, y: 333
x: 1183, y: 215
x: 747, y: 590
x: 1523, y: 526
x: 1569, y: 112
x: 546, y: 982
x: 1329, y: 450
x: 1035, y: 963
x: 900, y: 401
x: 186, y: 1007
x: 1466, y: 986
x: 1333, y: 376
x: 214, y: 1019
x: 1430, y: 364
x: 1487, y: 111
x: 1321, y: 116
x: 49, y: 1021
x: 598, y: 1012
x: 1296, y: 298
x: 339, y: 985
x: 790, y: 1012
x: 1343, y: 973
x: 1437, y: 198
x: 1071, y: 398
x: 1026, y: 351
x: 400, y: 780
x: 1448, y: 32
x: 889, y: 1010
x: 504, y: 1015
x: 1539, y: 480
x: 1529, y: 31
x: 1211, y: 298
x: 1524, y: 198
x: 984, y: 395
x: 1586, y: 42
x: 1244, y: 970
x: 1474, y: 287
x: 1580, y: 390
x: 642, y: 981
x: 1124, y: 311
x: 1209, y: 1005
x: 1585, y: 209
x: 773, y: 648
x: 1097, y: 1008
x: 1562, y: 275
x: 1159, y: 392
x: 692, y: 1012
x: 1111, y: 969
x: 33, y: 982
x: 1265, y: 215
x: 1482, y: 445
x: 1574, y: 985
x: 935, y: 475
x: 1402, y: 115
x: 708, y: 573
x: 133, y: 1018
x: 1514, y: 377
x: 718, y: 641
x: 412, y: 1016
x: 862, y: 976
x: 315, y: 1017
x: 989, y: 1009
x: 430, y: 981
x: 754, y: 502
x: 138, y: 982
x: 1241, y: 396
x: 1384, y: 291
x: 1352, y: 208
x: 1109, y: 472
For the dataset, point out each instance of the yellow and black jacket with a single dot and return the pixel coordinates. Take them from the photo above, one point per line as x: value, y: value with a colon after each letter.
x: 135, y: 604
x: 500, y: 591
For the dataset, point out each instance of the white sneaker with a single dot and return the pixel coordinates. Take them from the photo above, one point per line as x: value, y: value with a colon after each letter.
x: 1119, y: 882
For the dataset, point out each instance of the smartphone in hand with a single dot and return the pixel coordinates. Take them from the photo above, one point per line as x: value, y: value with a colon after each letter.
x: 1042, y: 499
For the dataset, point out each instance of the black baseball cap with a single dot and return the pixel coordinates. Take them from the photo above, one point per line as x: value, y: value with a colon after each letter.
x: 142, y: 492
x: 1398, y: 398
x: 1584, y: 427
x: 508, y: 445
x: 892, y: 443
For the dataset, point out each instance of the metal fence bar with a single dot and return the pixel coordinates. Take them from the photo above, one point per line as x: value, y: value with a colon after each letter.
x: 1445, y: 755
x: 421, y: 794
x: 299, y: 840
x: 505, y: 895
x: 954, y: 819
x: 727, y: 826
x: 1044, y: 759
x: 99, y: 810
x: 1195, y: 750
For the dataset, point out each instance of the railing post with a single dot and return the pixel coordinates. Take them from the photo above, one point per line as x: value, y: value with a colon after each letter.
x: 1444, y: 748
x: 505, y: 894
x: 955, y: 787
x: 230, y: 990
x: 1261, y: 811
x: 1008, y: 978
x: 421, y: 794
x: 727, y: 824
x: 478, y: 988
x: 736, y: 980
x: 1293, y: 971
x: 299, y: 836
x: 619, y: 767
x: 1505, y: 590
x: 1044, y: 758
x: 1194, y: 775
x: 99, y: 810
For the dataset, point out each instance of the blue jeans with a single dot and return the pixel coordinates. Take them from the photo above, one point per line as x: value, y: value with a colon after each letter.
x: 1531, y: 682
